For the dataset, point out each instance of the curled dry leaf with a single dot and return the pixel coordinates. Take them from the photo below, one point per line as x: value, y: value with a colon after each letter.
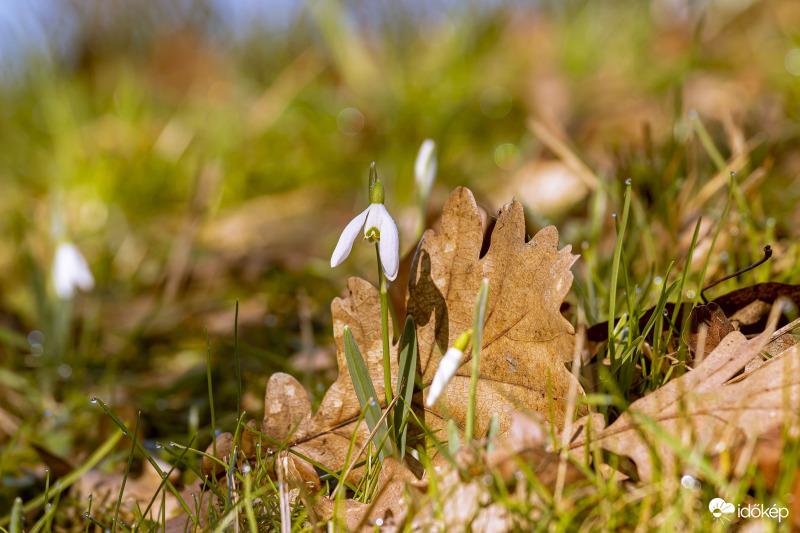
x: 711, y: 318
x: 703, y: 407
x: 526, y: 340
x: 747, y: 308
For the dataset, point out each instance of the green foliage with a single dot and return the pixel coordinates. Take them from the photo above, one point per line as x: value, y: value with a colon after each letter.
x: 367, y: 397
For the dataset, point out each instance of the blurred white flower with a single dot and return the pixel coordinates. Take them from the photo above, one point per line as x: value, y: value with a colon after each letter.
x: 70, y: 271
x: 447, y: 368
x: 425, y: 168
x: 378, y: 226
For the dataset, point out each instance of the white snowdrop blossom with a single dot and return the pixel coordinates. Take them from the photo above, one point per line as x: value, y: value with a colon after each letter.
x: 447, y: 368
x: 425, y: 167
x: 70, y: 271
x: 378, y: 226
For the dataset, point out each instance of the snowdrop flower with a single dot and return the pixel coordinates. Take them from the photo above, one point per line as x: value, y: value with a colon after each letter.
x: 447, y: 368
x: 378, y: 226
x: 70, y: 271
x: 425, y: 168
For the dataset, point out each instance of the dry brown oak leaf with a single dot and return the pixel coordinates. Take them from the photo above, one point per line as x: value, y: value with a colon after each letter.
x: 525, y: 337
x: 325, y: 436
x: 703, y: 408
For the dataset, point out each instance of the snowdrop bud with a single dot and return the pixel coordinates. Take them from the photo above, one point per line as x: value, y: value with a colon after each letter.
x: 70, y: 271
x: 425, y: 168
x: 447, y: 367
x: 377, y: 193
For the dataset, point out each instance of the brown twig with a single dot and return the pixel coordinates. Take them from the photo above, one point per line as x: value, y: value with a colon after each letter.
x: 767, y: 255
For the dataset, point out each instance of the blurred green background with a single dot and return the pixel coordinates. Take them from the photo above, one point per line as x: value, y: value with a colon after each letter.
x: 200, y: 152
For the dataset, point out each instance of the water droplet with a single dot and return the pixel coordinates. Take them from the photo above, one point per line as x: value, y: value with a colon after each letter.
x: 94, y: 399
x: 258, y: 444
x: 657, y: 280
x: 46, y: 470
x: 246, y: 469
x: 379, y: 522
x: 86, y: 515
x: 733, y: 174
x: 173, y: 443
x: 690, y: 483
x: 614, y: 215
x: 48, y: 506
x: 158, y: 445
x: 628, y: 181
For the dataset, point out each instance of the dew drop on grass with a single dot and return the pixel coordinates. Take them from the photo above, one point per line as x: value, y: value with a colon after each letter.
x: 173, y: 444
x: 86, y: 515
x: 246, y: 469
x: 614, y: 215
x: 48, y: 507
x: 379, y: 522
x: 94, y: 399
x: 158, y: 445
x: 628, y: 181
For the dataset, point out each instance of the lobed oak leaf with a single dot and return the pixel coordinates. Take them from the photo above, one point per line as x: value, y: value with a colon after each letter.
x: 526, y: 340
x: 704, y: 408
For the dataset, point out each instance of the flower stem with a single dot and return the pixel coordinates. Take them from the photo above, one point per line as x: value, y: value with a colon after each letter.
x: 387, y: 368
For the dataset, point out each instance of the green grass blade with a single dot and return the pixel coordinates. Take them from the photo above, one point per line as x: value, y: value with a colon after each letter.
x: 407, y: 371
x: 16, y: 517
x: 612, y: 292
x: 478, y: 321
x: 127, y: 472
x: 365, y: 391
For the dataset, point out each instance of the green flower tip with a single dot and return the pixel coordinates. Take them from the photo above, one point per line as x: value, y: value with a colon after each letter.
x: 462, y: 340
x: 377, y: 193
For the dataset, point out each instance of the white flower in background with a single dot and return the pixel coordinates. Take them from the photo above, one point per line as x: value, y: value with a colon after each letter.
x: 425, y: 168
x: 70, y: 271
x: 378, y: 226
x: 447, y: 368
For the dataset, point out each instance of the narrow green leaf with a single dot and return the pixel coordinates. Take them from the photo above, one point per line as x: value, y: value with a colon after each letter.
x: 16, y: 517
x: 365, y: 391
x: 407, y: 371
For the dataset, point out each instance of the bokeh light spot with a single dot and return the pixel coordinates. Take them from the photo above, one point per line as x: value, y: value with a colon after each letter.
x: 350, y: 121
x: 792, y: 61
x: 506, y: 156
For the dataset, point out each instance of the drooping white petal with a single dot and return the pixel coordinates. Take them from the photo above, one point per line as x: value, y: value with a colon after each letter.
x: 425, y: 167
x: 70, y: 271
x: 347, y: 239
x: 389, y: 246
x: 447, y: 369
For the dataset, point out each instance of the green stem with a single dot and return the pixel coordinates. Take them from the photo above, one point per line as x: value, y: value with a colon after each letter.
x: 478, y: 321
x: 387, y: 367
